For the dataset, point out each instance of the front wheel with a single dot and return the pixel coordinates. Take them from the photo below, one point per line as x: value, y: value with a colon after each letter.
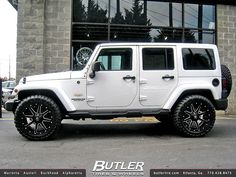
x: 194, y: 116
x: 38, y: 118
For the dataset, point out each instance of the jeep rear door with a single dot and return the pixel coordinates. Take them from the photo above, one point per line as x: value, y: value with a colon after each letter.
x: 158, y: 74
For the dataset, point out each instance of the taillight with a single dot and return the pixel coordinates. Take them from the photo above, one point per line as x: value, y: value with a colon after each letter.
x: 224, y: 83
x: 224, y: 86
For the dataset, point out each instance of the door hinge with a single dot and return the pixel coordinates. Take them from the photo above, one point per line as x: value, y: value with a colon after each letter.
x: 90, y: 99
x: 143, y: 81
x: 90, y: 82
x: 142, y: 98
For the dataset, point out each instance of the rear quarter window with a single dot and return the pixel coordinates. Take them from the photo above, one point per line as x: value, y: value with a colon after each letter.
x: 198, y: 59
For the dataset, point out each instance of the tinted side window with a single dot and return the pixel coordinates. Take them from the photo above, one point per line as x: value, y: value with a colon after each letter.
x: 115, y: 59
x: 158, y: 59
x: 198, y: 59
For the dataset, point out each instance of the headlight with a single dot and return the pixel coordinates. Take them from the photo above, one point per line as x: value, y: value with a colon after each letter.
x: 4, y: 94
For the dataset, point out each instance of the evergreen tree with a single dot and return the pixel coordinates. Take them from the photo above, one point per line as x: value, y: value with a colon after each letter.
x: 118, y: 18
x: 136, y: 15
x: 79, y: 13
x: 95, y: 13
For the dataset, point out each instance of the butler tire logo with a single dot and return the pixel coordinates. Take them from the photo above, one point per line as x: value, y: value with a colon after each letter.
x: 104, y: 168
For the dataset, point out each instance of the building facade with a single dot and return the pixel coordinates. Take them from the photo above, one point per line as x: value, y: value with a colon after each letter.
x: 53, y: 33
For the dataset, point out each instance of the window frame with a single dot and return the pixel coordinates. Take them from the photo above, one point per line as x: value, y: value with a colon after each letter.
x: 157, y: 47
x: 124, y: 48
x: 213, y: 60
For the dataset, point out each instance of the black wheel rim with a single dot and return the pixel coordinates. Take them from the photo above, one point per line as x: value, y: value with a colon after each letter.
x: 197, y: 117
x: 37, y: 119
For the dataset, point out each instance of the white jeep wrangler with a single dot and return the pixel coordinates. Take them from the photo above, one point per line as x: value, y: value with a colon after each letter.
x: 182, y: 84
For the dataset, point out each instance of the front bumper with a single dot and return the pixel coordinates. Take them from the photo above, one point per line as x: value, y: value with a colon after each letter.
x: 221, y: 104
x: 11, y: 105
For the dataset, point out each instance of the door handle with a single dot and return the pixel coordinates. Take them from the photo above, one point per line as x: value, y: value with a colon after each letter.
x: 168, y: 77
x: 129, y: 77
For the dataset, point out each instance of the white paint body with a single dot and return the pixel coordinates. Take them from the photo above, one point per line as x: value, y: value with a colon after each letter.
x: 109, y: 91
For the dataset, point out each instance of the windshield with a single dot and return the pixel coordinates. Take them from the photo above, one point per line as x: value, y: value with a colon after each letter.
x: 8, y: 84
x: 4, y: 84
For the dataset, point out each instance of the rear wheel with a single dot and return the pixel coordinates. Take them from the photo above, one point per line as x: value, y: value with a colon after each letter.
x: 194, y: 116
x: 38, y: 118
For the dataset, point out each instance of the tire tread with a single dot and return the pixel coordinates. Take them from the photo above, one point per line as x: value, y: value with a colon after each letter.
x: 56, y: 128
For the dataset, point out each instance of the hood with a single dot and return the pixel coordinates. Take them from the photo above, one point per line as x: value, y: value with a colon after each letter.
x: 50, y: 76
x: 6, y: 90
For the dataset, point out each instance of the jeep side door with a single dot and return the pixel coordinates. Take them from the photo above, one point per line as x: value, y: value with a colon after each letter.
x: 158, y: 74
x: 116, y: 84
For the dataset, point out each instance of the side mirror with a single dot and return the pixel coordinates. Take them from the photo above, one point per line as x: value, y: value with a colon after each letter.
x: 95, y: 68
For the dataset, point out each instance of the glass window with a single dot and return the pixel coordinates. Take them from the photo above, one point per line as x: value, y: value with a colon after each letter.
x: 208, y: 17
x: 199, y: 16
x: 81, y: 53
x: 130, y: 33
x: 177, y: 14
x: 90, y: 11
x: 190, y: 36
x: 167, y: 35
x: 191, y: 15
x: 158, y: 13
x: 198, y: 59
x: 4, y: 84
x: 120, y: 10
x: 12, y: 84
x: 94, y: 32
x: 139, y: 21
x: 158, y: 59
x: 115, y: 59
x: 208, y: 37
x: 130, y: 12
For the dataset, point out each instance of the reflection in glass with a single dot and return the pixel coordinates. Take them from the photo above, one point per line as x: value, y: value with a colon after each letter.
x: 135, y: 14
x: 139, y: 21
x: 90, y: 32
x: 208, y: 17
x: 191, y: 15
x: 168, y: 35
x: 90, y: 11
x: 130, y: 33
x: 146, y: 13
x: 199, y: 16
x: 76, y: 47
x: 158, y: 13
x: 190, y: 36
x: 208, y: 37
x: 177, y: 14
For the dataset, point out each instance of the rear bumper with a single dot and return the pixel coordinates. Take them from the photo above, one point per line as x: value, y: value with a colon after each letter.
x: 11, y: 105
x: 221, y: 104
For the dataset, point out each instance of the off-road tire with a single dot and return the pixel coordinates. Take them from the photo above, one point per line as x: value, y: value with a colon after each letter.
x: 38, y: 118
x: 194, y: 116
x: 225, y: 72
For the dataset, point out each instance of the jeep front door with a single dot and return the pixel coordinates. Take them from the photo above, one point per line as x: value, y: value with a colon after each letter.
x: 115, y: 85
